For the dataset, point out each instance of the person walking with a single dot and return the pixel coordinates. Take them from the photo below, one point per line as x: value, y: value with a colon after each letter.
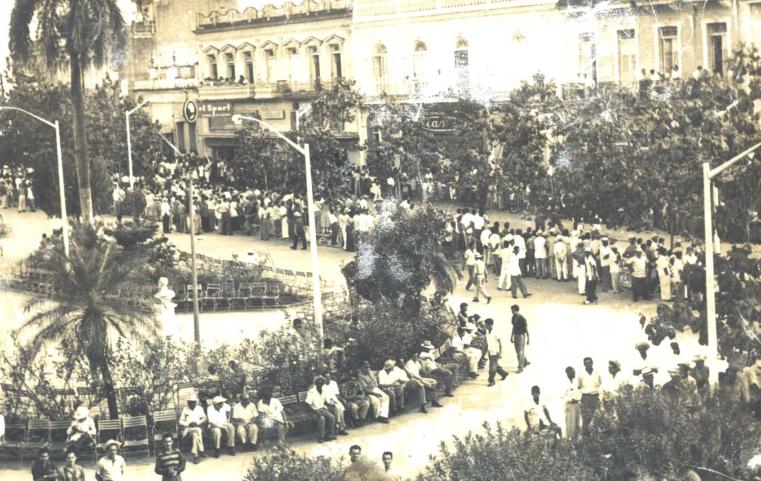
x: 480, y: 279
x: 519, y: 337
x: 494, y: 348
x: 591, y: 271
x: 516, y: 281
x: 504, y: 264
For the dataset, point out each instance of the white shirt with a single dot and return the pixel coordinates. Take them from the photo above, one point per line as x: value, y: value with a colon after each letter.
x: 389, y: 378
x: 540, y: 247
x: 495, y: 240
x: 218, y: 418
x: 662, y: 265
x: 514, y: 268
x: 466, y: 220
x: 612, y: 384
x: 459, y: 343
x: 111, y: 470
x: 273, y: 410
x: 639, y: 265
x: 493, y: 341
x: 188, y: 416
x: 470, y: 257
x: 316, y: 399
x: 485, y: 235
x: 572, y: 392
x: 245, y: 413
x: 331, y: 392
x: 535, y: 412
x: 521, y: 243
x: 589, y: 383
x: 478, y: 222
x: 413, y: 368
x: 560, y: 250
x: 2, y: 426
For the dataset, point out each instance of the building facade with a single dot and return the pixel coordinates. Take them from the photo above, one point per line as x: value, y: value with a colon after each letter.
x: 269, y: 62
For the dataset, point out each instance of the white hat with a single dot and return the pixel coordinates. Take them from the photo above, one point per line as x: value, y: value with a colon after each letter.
x: 469, y: 326
x: 81, y: 412
x: 426, y: 355
x: 218, y: 400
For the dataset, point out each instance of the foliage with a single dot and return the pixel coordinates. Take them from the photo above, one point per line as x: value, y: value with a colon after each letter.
x: 507, y: 455
x: 91, y: 310
x: 152, y: 372
x: 261, y: 161
x: 400, y: 258
x: 84, y: 34
x: 287, y: 465
x: 134, y: 204
x: 26, y: 142
x: 296, y: 352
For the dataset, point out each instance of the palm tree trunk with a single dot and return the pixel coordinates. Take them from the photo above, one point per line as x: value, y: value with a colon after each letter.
x: 108, y: 386
x: 80, y: 138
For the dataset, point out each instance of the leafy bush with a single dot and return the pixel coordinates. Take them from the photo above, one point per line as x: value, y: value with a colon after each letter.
x: 288, y: 465
x: 133, y: 205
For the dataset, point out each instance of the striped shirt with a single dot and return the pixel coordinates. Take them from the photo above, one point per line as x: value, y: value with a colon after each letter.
x: 169, y: 464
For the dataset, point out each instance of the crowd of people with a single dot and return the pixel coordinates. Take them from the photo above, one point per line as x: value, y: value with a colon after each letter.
x: 16, y: 189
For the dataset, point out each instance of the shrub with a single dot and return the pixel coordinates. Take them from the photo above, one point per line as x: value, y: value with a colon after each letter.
x: 287, y: 465
x: 133, y: 205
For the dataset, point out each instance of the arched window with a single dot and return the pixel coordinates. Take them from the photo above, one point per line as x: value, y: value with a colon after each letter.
x: 419, y: 57
x: 461, y: 63
x: 379, y: 67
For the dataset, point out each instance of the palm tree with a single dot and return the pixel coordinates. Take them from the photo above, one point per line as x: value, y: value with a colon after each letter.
x: 87, y: 33
x: 89, y: 310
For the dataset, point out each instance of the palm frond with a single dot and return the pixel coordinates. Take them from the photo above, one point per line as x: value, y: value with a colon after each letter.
x: 19, y: 39
x: 47, y: 317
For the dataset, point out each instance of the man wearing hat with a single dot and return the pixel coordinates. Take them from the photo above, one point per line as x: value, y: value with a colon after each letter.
x: 701, y: 375
x: 615, y: 379
x: 192, y: 420
x: 219, y: 420
x: 81, y: 431
x: 674, y: 389
x: 317, y: 401
x: 647, y: 383
x: 540, y: 255
x: 646, y: 363
x: 110, y: 467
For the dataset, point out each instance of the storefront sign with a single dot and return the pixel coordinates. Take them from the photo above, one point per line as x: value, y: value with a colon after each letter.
x: 440, y: 123
x: 215, y: 109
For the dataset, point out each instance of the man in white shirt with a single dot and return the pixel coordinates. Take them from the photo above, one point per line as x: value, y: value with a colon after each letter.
x: 316, y: 399
x: 272, y: 414
x: 638, y: 268
x: 494, y: 346
x: 663, y: 266
x: 467, y: 227
x: 536, y: 414
x: 192, y: 421
x: 514, y: 270
x: 393, y: 382
x: 426, y: 385
x: 504, y: 269
x: 461, y: 345
x: 111, y: 466
x: 571, y: 399
x: 560, y: 254
x: 391, y: 473
x: 469, y: 261
x: 219, y: 420
x: 589, y: 385
x: 540, y: 255
x: 81, y: 432
x: 335, y: 402
x: 615, y: 379
x: 244, y: 419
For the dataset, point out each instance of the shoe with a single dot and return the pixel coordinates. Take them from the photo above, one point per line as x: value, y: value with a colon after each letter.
x: 473, y: 375
x: 475, y: 299
x: 320, y: 440
x: 488, y: 300
x: 491, y: 383
x: 216, y: 453
x: 254, y: 447
x: 587, y: 302
x: 343, y: 433
x: 423, y: 409
x: 436, y: 404
x: 231, y: 451
x: 293, y: 248
x: 528, y: 295
x: 504, y: 376
x: 202, y: 454
x: 195, y: 459
x: 449, y: 394
x: 383, y: 420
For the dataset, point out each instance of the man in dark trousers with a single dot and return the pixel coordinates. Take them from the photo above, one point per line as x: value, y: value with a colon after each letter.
x: 298, y: 231
x: 519, y: 337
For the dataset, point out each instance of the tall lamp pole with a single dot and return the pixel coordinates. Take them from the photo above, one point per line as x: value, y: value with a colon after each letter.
x: 129, y: 141
x: 708, y: 176
x: 193, y: 270
x: 61, y: 190
x: 303, y: 150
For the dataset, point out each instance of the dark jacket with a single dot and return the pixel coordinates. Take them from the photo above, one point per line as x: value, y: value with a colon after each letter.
x: 169, y: 464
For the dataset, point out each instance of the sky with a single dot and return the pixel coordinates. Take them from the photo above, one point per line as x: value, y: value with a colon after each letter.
x: 6, y: 6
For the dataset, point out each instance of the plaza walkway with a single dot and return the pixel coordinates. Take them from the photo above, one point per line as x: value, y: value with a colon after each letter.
x: 563, y: 331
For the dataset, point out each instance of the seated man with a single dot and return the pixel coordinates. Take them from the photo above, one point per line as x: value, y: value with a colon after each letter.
x: 537, y: 416
x: 355, y: 398
x: 272, y: 414
x: 334, y: 402
x: 461, y: 346
x: 426, y: 386
x: 81, y: 432
x: 316, y: 400
x: 429, y: 368
x: 393, y: 383
x: 244, y: 419
x: 378, y: 399
x: 219, y: 420
x: 192, y: 420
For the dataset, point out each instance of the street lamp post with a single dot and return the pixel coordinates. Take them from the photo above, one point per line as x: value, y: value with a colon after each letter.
x: 303, y: 150
x: 129, y: 141
x: 708, y: 176
x: 62, y: 191
x: 193, y: 270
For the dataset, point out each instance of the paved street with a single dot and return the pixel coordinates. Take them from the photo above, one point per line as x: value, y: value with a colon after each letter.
x: 563, y: 331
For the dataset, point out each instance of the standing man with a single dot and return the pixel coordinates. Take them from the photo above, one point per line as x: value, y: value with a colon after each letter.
x: 111, y: 466
x: 391, y: 473
x: 494, y: 346
x: 560, y: 254
x: 571, y: 398
x: 638, y: 269
x: 519, y: 336
x: 540, y: 255
x: 589, y: 385
x: 169, y: 461
x: 663, y: 267
x: 515, y: 273
x: 192, y: 421
x: 592, y: 275
x: 219, y: 420
x: 298, y: 231
x: 244, y: 419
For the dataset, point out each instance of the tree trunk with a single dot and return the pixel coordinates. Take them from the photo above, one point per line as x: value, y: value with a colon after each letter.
x: 108, y: 386
x: 80, y: 138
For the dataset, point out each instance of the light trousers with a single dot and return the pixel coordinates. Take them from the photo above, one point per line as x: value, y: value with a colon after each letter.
x: 561, y: 269
x: 572, y: 420
x: 474, y: 355
x: 339, y: 411
x: 216, y: 435
x: 665, y: 282
x: 247, y: 433
x: 380, y: 402
x: 196, y: 437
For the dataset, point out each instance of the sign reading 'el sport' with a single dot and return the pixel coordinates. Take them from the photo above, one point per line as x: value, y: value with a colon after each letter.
x: 215, y: 109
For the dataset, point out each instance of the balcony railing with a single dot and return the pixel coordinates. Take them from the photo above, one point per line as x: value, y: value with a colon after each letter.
x: 144, y: 29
